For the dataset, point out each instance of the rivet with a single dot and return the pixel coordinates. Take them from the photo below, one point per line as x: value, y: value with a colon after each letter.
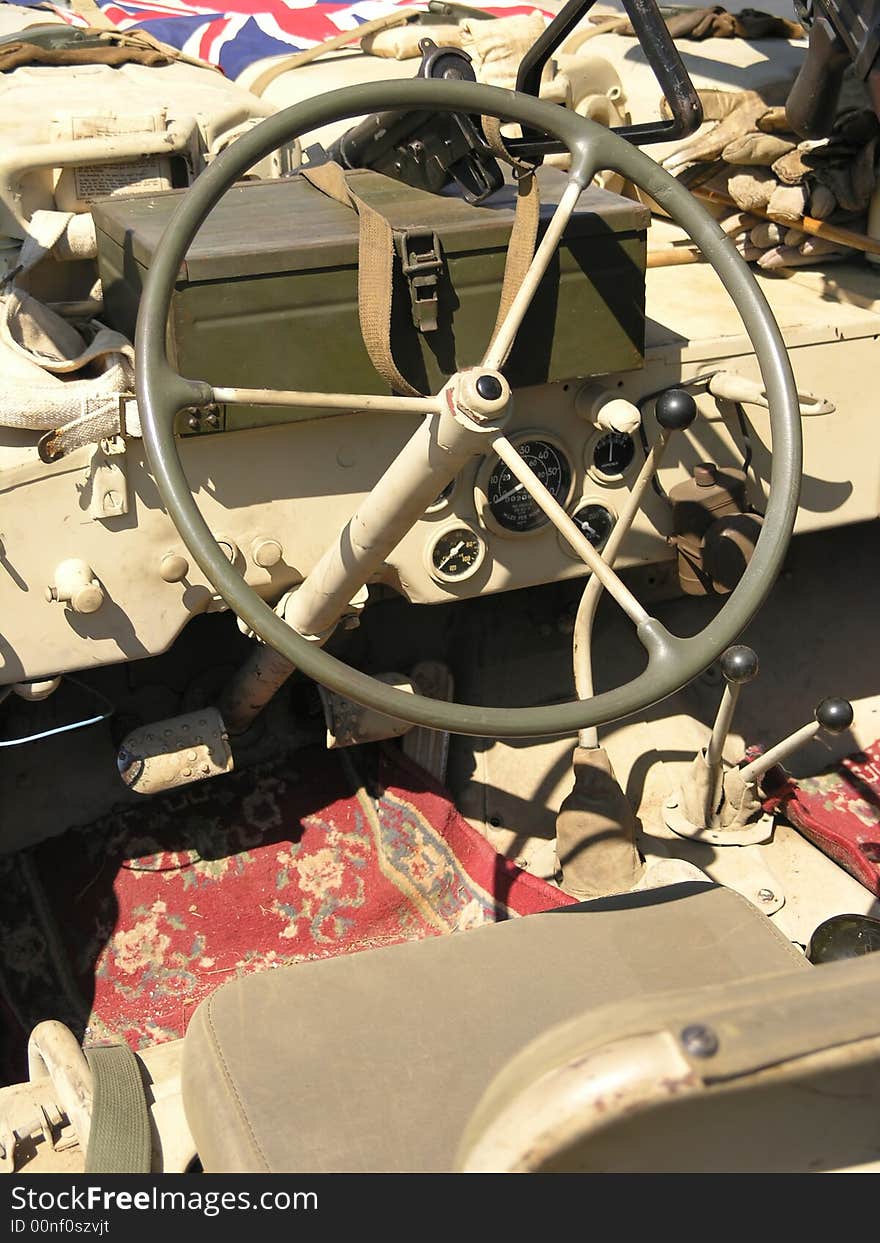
x: 187, y: 772
x: 699, y: 1041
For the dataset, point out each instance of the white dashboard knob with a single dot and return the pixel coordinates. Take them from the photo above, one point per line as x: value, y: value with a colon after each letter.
x: 76, y: 586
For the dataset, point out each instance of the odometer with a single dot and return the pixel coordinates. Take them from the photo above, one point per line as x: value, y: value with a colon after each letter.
x: 510, y: 505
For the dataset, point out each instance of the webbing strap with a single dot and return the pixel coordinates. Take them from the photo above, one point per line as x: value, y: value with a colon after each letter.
x: 119, y: 1139
x: 375, y: 272
x: 524, y: 234
x: 284, y: 64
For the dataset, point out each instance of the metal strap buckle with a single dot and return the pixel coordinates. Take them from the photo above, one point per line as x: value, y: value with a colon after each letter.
x: 422, y: 262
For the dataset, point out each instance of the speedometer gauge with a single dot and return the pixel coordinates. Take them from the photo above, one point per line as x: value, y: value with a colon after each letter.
x: 509, y: 504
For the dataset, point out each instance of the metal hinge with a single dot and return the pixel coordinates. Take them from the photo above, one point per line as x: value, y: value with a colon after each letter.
x: 422, y: 262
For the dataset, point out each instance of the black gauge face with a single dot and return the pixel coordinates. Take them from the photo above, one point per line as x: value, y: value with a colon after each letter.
x: 509, y: 502
x: 614, y: 453
x: 596, y: 522
x: 456, y: 554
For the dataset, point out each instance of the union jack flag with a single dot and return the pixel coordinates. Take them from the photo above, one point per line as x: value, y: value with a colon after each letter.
x: 247, y: 30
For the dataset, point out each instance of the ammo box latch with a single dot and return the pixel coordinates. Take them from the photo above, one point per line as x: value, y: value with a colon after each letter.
x: 422, y: 262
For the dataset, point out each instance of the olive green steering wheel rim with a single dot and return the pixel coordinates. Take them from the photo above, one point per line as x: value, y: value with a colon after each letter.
x: 162, y: 393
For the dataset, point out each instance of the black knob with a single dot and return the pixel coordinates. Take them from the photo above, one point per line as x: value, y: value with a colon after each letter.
x: 739, y: 664
x: 489, y: 387
x: 835, y: 715
x: 675, y: 409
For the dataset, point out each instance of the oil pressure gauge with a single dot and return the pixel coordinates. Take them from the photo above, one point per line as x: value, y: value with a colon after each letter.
x: 455, y: 554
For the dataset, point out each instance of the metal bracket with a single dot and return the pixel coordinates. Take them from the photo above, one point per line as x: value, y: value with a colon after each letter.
x: 109, y: 482
x: 422, y: 261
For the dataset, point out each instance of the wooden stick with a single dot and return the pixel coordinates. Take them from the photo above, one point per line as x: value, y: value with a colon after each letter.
x: 672, y: 256
x: 806, y: 224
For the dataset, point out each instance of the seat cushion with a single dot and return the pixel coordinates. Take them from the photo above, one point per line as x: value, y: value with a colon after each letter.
x: 374, y: 1061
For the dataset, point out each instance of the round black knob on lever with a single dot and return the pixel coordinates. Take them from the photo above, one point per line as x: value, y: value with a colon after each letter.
x: 739, y: 664
x: 675, y: 409
x: 835, y: 715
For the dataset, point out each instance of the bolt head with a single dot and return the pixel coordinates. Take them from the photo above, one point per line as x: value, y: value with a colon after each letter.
x: 739, y: 664
x: 675, y: 409
x: 699, y: 1040
x: 489, y: 387
x: 835, y: 715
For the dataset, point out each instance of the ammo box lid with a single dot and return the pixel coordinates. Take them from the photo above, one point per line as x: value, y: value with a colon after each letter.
x: 286, y: 225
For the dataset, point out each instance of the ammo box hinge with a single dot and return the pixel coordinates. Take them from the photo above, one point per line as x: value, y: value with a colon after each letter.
x: 422, y: 262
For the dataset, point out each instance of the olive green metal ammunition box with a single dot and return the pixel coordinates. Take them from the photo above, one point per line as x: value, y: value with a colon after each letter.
x: 268, y: 297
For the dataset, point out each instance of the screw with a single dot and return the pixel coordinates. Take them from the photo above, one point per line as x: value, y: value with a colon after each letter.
x: 766, y: 895
x: 193, y: 422
x: 699, y: 1041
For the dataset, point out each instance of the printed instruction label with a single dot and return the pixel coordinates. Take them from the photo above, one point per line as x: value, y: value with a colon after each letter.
x: 98, y: 181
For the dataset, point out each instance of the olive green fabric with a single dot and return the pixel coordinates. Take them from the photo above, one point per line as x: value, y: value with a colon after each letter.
x: 375, y: 1061
x: 119, y: 1140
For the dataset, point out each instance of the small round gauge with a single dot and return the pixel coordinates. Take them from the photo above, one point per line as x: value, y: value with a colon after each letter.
x: 442, y: 498
x: 456, y: 554
x: 510, y: 505
x: 594, y: 521
x: 612, y: 455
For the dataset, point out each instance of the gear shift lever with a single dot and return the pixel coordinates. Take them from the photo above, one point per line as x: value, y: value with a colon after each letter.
x: 739, y: 665
x: 833, y: 715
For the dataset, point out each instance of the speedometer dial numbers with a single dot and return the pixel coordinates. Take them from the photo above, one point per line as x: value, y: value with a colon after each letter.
x: 508, y: 507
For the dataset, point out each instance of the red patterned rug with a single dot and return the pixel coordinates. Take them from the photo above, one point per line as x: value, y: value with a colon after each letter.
x: 838, y: 811
x: 121, y: 928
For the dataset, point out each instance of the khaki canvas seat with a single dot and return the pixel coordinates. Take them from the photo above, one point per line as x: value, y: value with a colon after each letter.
x: 376, y: 1061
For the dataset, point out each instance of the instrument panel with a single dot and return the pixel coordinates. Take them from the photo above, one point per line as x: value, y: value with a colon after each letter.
x: 486, y: 532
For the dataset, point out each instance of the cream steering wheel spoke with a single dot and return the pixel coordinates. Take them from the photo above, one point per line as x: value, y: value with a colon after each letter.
x: 496, y: 355
x: 347, y: 403
x: 568, y: 528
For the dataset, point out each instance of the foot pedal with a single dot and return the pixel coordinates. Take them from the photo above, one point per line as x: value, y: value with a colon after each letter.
x: 177, y: 752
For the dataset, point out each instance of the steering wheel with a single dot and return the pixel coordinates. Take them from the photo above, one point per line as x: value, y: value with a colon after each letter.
x: 464, y: 420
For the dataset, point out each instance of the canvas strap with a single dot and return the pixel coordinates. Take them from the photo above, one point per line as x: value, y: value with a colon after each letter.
x: 376, y: 253
x: 524, y: 234
x: 119, y: 1139
x: 375, y: 272
x: 284, y: 64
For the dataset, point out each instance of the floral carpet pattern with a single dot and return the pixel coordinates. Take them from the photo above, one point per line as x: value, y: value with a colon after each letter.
x: 122, y: 927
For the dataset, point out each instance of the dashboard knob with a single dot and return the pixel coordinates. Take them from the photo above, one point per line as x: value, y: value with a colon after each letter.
x: 675, y: 409
x: 266, y: 553
x: 76, y: 586
x: 173, y: 567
